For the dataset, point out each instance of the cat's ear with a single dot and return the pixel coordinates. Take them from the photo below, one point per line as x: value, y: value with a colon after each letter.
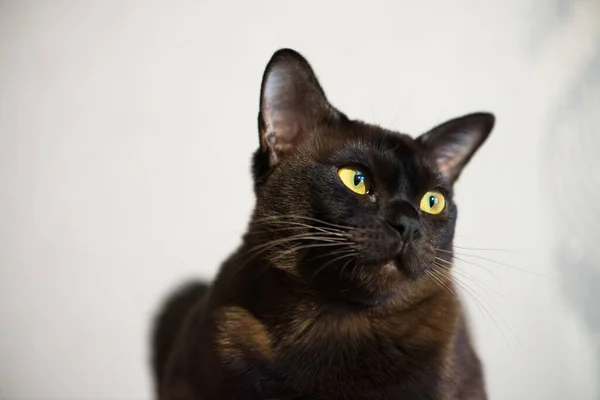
x: 453, y: 143
x: 292, y: 104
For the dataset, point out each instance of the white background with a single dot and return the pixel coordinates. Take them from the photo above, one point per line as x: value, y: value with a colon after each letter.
x: 126, y: 130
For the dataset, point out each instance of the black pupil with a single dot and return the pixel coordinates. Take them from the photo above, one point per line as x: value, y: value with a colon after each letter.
x: 358, y: 178
x: 432, y: 201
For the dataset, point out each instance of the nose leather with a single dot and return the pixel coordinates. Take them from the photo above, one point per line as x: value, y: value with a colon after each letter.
x: 403, y: 217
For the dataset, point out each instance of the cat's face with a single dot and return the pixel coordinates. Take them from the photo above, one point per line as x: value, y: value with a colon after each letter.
x: 349, y: 207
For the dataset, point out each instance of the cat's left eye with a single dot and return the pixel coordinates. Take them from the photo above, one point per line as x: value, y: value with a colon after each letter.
x: 354, y: 180
x: 433, y: 202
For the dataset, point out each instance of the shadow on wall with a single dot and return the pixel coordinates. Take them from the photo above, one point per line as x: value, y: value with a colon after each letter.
x: 571, y: 175
x: 549, y: 15
x: 570, y: 163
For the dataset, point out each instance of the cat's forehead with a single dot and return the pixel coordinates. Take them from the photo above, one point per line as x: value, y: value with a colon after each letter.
x: 377, y: 145
x: 394, y: 157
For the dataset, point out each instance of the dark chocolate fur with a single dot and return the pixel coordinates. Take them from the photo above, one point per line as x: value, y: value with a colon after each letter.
x: 332, y: 294
x: 168, y: 323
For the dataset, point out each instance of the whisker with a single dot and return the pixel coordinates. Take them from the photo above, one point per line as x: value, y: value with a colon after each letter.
x: 313, y: 246
x: 344, y: 267
x: 481, y: 301
x: 441, y: 284
x: 481, y: 304
x: 298, y: 237
x: 297, y: 248
x: 467, y: 262
x: 479, y: 282
x: 465, y: 274
x: 331, y: 231
x: 453, y: 253
x: 264, y: 247
x: 345, y: 250
x: 292, y: 216
x: 321, y: 268
x: 485, y: 249
x: 353, y: 272
x: 498, y: 263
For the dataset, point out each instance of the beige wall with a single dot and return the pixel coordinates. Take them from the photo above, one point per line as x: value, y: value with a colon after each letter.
x: 124, y: 126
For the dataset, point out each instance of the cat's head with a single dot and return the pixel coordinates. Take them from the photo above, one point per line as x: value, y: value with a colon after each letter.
x: 349, y: 207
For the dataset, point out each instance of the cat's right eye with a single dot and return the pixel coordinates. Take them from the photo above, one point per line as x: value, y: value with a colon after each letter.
x: 354, y: 180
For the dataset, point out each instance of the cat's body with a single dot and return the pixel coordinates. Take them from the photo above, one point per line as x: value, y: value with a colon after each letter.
x: 322, y: 353
x: 341, y: 288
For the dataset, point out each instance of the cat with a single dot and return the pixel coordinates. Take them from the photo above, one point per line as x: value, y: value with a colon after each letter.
x: 341, y: 288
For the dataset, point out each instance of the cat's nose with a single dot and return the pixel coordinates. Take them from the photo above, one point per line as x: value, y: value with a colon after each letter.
x: 406, y: 222
x: 408, y: 227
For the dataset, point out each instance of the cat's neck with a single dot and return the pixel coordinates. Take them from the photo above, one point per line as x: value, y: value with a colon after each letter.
x: 274, y: 293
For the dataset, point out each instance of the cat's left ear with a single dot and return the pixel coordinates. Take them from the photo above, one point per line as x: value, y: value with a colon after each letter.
x: 453, y: 143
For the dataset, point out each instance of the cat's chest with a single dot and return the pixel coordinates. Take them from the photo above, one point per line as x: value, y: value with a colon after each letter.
x: 358, y: 368
x: 330, y: 359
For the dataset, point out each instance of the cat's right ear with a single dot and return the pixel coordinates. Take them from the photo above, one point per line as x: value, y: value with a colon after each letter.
x: 292, y: 105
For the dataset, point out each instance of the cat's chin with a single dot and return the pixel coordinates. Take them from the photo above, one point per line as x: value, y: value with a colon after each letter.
x: 397, y: 269
x: 390, y: 267
x: 398, y: 272
x: 389, y: 280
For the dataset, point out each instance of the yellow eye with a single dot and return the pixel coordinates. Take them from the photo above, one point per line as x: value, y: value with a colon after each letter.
x: 354, y: 179
x: 433, y: 202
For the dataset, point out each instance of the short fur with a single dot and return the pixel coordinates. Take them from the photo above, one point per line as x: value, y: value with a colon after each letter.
x: 332, y: 294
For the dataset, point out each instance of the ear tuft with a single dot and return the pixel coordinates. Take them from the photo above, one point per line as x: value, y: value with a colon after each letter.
x: 453, y: 143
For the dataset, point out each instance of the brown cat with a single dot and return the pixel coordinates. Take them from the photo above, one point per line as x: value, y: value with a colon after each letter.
x: 342, y: 287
